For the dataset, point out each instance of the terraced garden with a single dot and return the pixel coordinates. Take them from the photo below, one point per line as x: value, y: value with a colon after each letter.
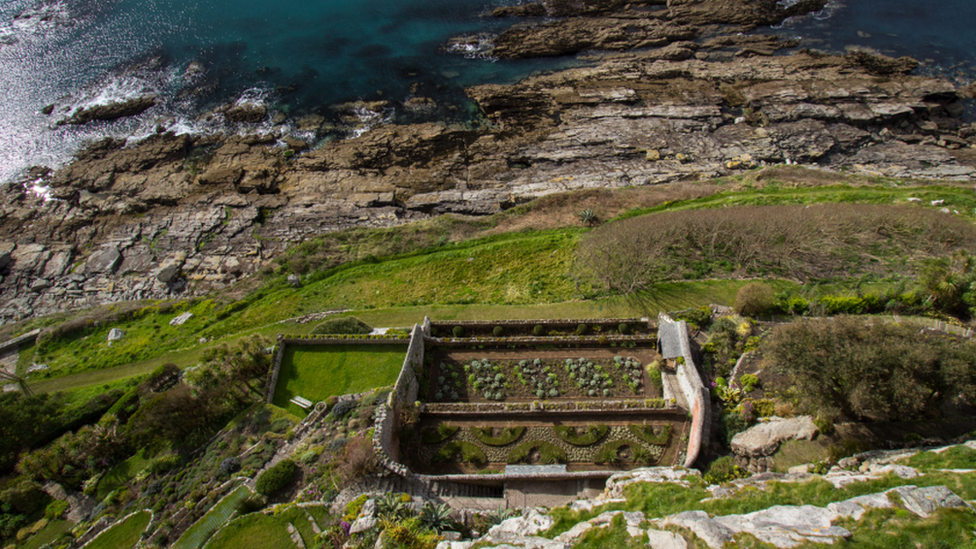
x: 550, y: 374
x: 461, y: 446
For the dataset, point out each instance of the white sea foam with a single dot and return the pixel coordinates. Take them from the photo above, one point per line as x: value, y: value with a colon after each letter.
x: 475, y: 47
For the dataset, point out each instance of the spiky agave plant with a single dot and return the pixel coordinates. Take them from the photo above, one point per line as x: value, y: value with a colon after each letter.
x: 436, y: 516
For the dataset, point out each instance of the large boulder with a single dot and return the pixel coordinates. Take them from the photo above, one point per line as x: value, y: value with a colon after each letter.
x: 764, y: 439
x: 6, y: 248
x: 130, y: 107
x: 529, y: 524
x: 105, y: 261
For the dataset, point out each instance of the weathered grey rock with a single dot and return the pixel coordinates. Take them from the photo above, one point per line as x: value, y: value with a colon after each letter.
x: 530, y: 524
x: 363, y: 524
x: 659, y: 539
x: 6, y: 248
x: 925, y: 501
x: 451, y: 536
x: 712, y: 532
x: 619, y: 481
x: 181, y: 319
x: 455, y: 544
x: 104, y: 262
x: 40, y: 285
x: 112, y: 111
x: 115, y: 334
x: 169, y: 273
x: 764, y: 439
x: 294, y: 281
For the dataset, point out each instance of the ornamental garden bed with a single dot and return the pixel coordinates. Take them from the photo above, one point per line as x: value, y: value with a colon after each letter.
x: 453, y: 378
x: 467, y: 447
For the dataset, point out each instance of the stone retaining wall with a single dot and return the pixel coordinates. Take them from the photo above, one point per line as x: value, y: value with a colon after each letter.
x: 697, y: 396
x: 16, y: 342
x: 404, y: 393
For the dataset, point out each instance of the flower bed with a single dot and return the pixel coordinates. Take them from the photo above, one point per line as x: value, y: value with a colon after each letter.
x: 537, y: 451
x: 651, y: 434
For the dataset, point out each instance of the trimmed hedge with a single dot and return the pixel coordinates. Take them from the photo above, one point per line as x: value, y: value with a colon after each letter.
x: 506, y: 437
x: 647, y: 434
x: 608, y: 453
x: 275, y: 478
x: 346, y: 325
x: 586, y: 436
x: 548, y: 453
x: 460, y: 451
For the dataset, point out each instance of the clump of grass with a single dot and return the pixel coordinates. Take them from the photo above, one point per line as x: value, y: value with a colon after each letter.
x: 957, y: 457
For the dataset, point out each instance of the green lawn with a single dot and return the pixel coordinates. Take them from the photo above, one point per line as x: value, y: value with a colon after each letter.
x: 197, y: 535
x: 254, y: 531
x: 51, y: 532
x: 120, y: 474
x: 122, y: 535
x: 317, y: 372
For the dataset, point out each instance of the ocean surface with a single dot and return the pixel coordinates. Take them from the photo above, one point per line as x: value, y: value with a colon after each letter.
x: 302, y: 58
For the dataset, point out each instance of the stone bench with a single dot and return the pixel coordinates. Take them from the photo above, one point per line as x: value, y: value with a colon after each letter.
x: 301, y: 402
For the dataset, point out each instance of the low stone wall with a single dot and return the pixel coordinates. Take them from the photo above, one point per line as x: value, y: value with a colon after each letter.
x: 570, y: 407
x: 695, y: 393
x: 569, y: 324
x: 16, y: 342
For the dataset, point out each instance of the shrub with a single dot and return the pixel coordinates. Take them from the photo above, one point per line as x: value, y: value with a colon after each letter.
x: 610, y: 453
x: 722, y: 470
x: 56, y: 509
x: 347, y: 325
x: 538, y: 330
x: 623, y: 329
x: 581, y: 436
x: 230, y: 465
x: 749, y: 382
x: 458, y: 331
x: 582, y: 329
x: 460, y: 452
x: 164, y: 464
x: 275, y: 478
x: 507, y: 435
x: 754, y: 299
x: 432, y: 435
x: 498, y: 331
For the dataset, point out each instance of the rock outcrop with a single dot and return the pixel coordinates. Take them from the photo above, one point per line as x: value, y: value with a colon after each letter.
x: 176, y: 214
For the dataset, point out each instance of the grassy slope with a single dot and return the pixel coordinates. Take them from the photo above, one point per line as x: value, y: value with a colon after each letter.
x: 523, y: 274
x: 121, y: 474
x: 122, y: 535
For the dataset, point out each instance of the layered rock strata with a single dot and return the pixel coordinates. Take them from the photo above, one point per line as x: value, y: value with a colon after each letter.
x: 181, y: 215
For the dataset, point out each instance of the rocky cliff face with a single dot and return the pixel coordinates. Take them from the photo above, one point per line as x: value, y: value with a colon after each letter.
x: 181, y: 214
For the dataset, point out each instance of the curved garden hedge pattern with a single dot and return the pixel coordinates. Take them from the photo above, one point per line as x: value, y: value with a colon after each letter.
x: 541, y: 436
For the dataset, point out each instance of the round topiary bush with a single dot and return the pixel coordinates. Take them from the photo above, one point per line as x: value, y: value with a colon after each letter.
x: 538, y: 330
x: 275, y: 478
x: 498, y: 331
x: 458, y: 331
x: 582, y: 329
x: 623, y: 329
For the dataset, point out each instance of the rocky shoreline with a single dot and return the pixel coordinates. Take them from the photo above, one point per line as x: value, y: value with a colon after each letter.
x: 179, y: 214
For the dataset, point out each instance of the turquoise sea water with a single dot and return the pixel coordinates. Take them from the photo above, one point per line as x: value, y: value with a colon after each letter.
x: 942, y: 35
x: 305, y: 57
